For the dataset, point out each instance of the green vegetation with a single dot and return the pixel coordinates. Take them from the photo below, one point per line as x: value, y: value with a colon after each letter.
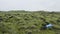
x: 25, y: 22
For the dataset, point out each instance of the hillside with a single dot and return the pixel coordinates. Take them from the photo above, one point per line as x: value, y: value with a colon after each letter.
x: 24, y: 22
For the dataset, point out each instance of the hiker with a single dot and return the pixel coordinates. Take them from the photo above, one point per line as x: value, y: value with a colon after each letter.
x: 46, y: 26
x: 49, y: 26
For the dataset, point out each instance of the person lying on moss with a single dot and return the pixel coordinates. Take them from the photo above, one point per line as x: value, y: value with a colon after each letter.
x: 47, y: 26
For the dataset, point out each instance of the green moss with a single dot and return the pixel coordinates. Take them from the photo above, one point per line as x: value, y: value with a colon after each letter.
x: 23, y: 22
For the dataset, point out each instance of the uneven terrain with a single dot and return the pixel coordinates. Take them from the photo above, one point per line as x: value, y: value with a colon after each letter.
x: 25, y: 22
